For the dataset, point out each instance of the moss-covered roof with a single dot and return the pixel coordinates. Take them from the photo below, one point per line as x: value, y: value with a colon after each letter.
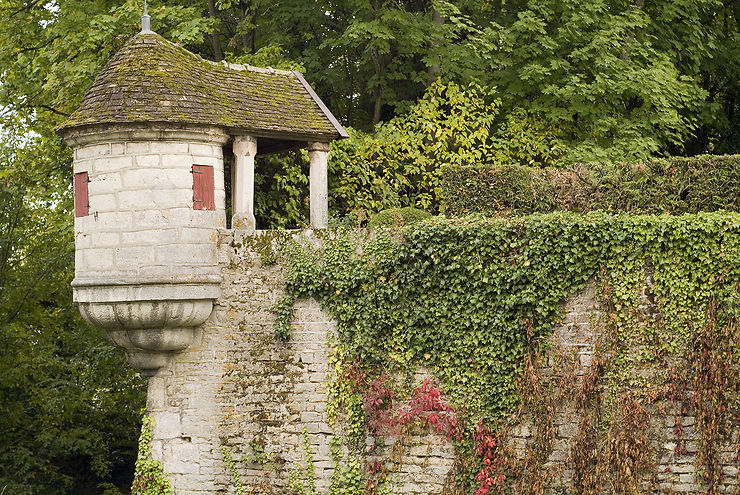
x: 153, y: 80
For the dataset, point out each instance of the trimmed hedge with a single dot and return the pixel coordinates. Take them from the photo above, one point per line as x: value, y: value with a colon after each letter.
x: 675, y: 185
x: 398, y: 216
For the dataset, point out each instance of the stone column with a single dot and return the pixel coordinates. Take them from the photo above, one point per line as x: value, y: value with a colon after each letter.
x: 245, y: 148
x: 318, y: 153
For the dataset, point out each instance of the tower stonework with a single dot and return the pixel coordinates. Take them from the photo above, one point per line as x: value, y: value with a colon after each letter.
x: 145, y: 258
x: 148, y: 141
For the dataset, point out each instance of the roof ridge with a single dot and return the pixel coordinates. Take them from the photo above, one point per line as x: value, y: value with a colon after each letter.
x: 152, y: 79
x: 224, y: 63
x: 253, y: 68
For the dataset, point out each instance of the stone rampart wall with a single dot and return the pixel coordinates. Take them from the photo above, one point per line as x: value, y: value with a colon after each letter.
x: 240, y: 387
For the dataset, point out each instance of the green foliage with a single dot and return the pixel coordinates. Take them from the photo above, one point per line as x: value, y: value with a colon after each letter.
x: 401, y: 164
x: 675, y: 185
x: 231, y: 466
x: 397, y: 217
x: 613, y: 81
x: 449, y: 125
x: 284, y: 316
x: 608, y: 74
x: 619, y: 81
x: 527, y: 139
x: 398, y: 166
x: 447, y: 298
x: 669, y: 348
x: 473, y: 299
x: 281, y: 190
x: 344, y: 405
x: 260, y: 456
x: 389, y: 35
x: 302, y: 480
x: 270, y: 56
x: 109, y: 489
x: 347, y: 478
x: 149, y: 477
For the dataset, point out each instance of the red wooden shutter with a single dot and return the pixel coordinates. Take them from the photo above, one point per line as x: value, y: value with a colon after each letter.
x: 82, y: 197
x: 203, y: 188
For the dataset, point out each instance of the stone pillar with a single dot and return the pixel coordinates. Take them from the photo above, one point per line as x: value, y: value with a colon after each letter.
x: 318, y: 153
x: 245, y: 148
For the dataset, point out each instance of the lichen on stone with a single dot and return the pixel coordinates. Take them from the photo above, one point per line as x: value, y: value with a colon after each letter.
x: 149, y: 70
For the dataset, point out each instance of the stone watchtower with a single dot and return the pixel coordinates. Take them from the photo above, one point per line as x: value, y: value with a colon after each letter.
x: 148, y: 142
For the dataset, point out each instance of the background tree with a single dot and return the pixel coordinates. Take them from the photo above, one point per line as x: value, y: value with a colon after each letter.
x: 69, y: 403
x: 598, y: 71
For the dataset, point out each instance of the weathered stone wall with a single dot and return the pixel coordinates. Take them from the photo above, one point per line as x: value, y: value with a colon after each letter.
x: 142, y: 224
x: 240, y: 387
x: 672, y: 451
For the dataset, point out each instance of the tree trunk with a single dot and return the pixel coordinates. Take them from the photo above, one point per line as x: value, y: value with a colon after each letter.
x: 379, y: 69
x: 218, y: 53
x: 253, y: 35
x: 378, y: 103
x: 248, y: 39
x: 630, y: 38
x: 377, y: 59
x: 433, y: 70
x: 351, y: 79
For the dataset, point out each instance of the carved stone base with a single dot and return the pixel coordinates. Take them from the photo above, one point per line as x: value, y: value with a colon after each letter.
x: 147, y: 349
x: 148, y: 363
x: 149, y: 331
x: 244, y: 222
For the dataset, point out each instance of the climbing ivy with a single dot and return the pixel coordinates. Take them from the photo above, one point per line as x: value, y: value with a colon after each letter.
x: 149, y: 477
x: 232, y: 467
x: 347, y: 478
x: 474, y: 300
x: 302, y: 480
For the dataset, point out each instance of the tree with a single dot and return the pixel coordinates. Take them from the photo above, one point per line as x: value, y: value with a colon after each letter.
x: 70, y: 405
x: 593, y: 69
x: 69, y: 402
x: 622, y: 79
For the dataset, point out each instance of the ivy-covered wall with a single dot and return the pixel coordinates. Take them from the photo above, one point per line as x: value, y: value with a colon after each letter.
x: 476, y: 302
x: 247, y: 412
x: 551, y: 353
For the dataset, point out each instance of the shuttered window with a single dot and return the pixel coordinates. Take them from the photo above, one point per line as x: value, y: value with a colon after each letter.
x: 203, y: 188
x: 82, y: 197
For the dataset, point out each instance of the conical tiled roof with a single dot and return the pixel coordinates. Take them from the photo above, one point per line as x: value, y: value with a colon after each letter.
x: 153, y: 80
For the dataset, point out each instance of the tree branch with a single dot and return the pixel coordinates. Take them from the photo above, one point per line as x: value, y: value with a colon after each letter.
x: 25, y: 7
x: 54, y: 110
x: 42, y: 45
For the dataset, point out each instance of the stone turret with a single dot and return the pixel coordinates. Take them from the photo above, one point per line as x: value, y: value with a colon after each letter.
x: 148, y: 142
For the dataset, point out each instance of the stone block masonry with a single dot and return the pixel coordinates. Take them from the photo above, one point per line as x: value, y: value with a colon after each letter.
x: 238, y: 386
x: 141, y: 223
x: 672, y: 449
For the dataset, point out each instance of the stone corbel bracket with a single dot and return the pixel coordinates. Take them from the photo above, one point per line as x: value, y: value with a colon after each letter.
x: 150, y: 320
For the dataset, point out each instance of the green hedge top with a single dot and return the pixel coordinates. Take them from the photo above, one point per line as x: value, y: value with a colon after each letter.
x: 675, y: 185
